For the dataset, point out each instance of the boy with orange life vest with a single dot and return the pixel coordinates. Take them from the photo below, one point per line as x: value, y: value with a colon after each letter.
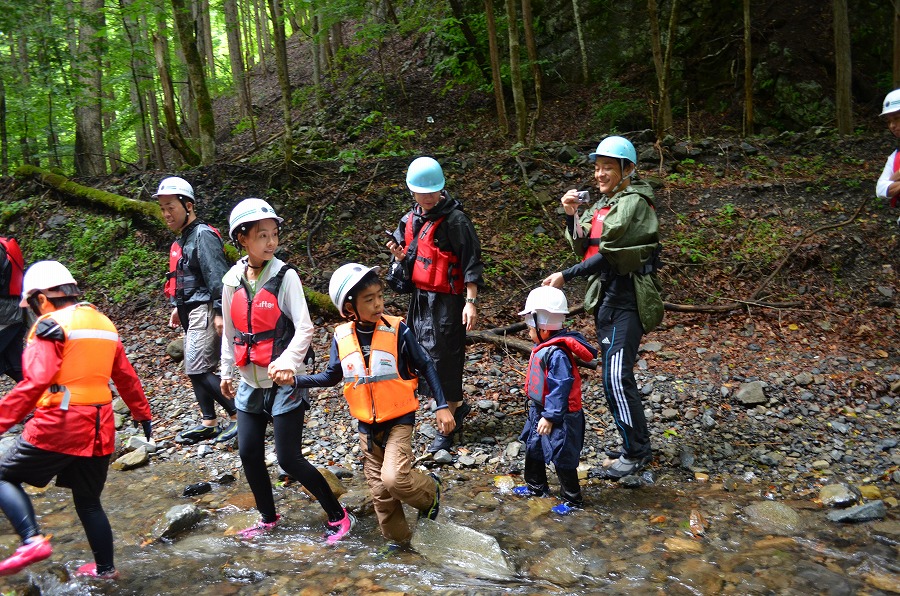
x: 554, y: 430
x: 73, y: 352
x: 888, y: 185
x: 12, y: 319
x: 267, y: 332
x: 378, y: 359
x: 618, y: 238
x: 194, y: 286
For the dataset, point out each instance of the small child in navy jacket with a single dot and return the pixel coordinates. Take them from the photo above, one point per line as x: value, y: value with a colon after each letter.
x: 554, y: 430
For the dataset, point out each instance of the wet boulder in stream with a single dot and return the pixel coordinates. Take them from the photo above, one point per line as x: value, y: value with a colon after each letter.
x: 179, y: 519
x: 462, y: 548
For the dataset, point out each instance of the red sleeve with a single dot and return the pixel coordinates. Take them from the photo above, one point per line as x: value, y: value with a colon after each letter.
x: 40, y: 363
x: 129, y: 386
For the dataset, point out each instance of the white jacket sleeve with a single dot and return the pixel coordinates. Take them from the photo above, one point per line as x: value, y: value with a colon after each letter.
x: 884, y: 181
x: 227, y: 369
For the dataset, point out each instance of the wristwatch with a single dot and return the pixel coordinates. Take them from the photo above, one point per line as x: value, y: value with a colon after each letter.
x: 472, y: 300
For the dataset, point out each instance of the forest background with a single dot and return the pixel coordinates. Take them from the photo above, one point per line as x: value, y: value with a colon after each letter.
x: 96, y: 86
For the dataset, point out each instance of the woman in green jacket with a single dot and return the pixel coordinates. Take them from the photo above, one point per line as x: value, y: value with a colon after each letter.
x: 618, y: 238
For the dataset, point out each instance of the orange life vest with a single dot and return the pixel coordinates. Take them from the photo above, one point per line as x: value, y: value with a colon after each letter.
x: 262, y: 330
x: 435, y: 270
x: 375, y: 393
x: 90, y: 347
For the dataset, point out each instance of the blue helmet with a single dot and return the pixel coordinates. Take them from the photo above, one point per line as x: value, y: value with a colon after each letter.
x: 425, y: 175
x: 617, y: 148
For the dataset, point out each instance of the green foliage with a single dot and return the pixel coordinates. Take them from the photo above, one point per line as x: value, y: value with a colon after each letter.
x: 9, y: 211
x: 616, y: 106
x: 688, y: 172
x: 124, y: 269
x: 727, y: 235
x: 391, y: 141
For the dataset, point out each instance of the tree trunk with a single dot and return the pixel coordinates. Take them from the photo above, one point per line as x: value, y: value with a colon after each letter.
x: 89, y: 155
x: 748, y: 72
x: 173, y: 132
x: 316, y: 62
x: 499, y: 100
x: 843, y: 68
x: 263, y: 42
x: 197, y: 80
x: 661, y: 63
x: 896, y: 47
x: 516, y: 73
x: 528, y: 27
x: 24, y: 70
x: 585, y: 74
x: 204, y: 37
x: 471, y: 41
x: 236, y: 58
x: 140, y: 74
x: 277, y: 14
x: 4, y: 139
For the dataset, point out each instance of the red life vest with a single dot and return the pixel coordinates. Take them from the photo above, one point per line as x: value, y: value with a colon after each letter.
x: 261, y: 330
x: 596, y: 231
x: 174, y: 258
x: 536, y: 387
x: 12, y: 268
x: 435, y: 270
x: 896, y: 197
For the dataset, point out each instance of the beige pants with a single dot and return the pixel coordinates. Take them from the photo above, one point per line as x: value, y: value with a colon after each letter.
x: 393, y: 481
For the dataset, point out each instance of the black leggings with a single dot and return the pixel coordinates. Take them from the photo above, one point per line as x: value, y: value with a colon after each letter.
x: 208, y: 391
x: 288, y: 429
x: 17, y: 507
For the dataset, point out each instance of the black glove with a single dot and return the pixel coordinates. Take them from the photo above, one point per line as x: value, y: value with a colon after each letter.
x: 145, y: 425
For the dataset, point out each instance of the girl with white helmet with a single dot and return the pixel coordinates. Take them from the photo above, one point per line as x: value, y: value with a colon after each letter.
x: 446, y: 270
x: 267, y: 334
x: 554, y: 430
x: 378, y: 359
x: 618, y: 238
x: 888, y: 185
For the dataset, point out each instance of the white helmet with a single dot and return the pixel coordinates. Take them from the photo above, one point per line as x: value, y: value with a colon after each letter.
x: 343, y: 280
x: 547, y: 306
x: 175, y: 186
x: 44, y: 275
x: 891, y: 103
x: 248, y: 211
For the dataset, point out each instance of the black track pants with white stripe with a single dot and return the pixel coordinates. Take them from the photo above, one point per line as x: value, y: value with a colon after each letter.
x: 619, y: 333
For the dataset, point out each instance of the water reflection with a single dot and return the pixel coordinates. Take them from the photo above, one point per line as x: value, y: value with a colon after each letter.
x: 627, y: 541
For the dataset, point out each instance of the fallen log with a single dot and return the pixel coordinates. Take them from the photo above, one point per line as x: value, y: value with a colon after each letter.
x: 115, y: 202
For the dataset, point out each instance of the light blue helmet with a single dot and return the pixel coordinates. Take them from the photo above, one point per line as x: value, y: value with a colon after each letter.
x: 617, y: 148
x: 425, y: 175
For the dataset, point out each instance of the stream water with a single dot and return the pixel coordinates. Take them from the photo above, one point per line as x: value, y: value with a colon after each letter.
x: 666, y: 538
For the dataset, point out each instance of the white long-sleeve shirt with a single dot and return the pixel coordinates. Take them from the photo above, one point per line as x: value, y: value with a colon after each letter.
x: 292, y: 303
x: 884, y: 181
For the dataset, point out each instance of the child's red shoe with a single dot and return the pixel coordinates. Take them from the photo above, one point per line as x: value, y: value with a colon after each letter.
x: 36, y: 550
x: 334, y: 531
x: 90, y: 570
